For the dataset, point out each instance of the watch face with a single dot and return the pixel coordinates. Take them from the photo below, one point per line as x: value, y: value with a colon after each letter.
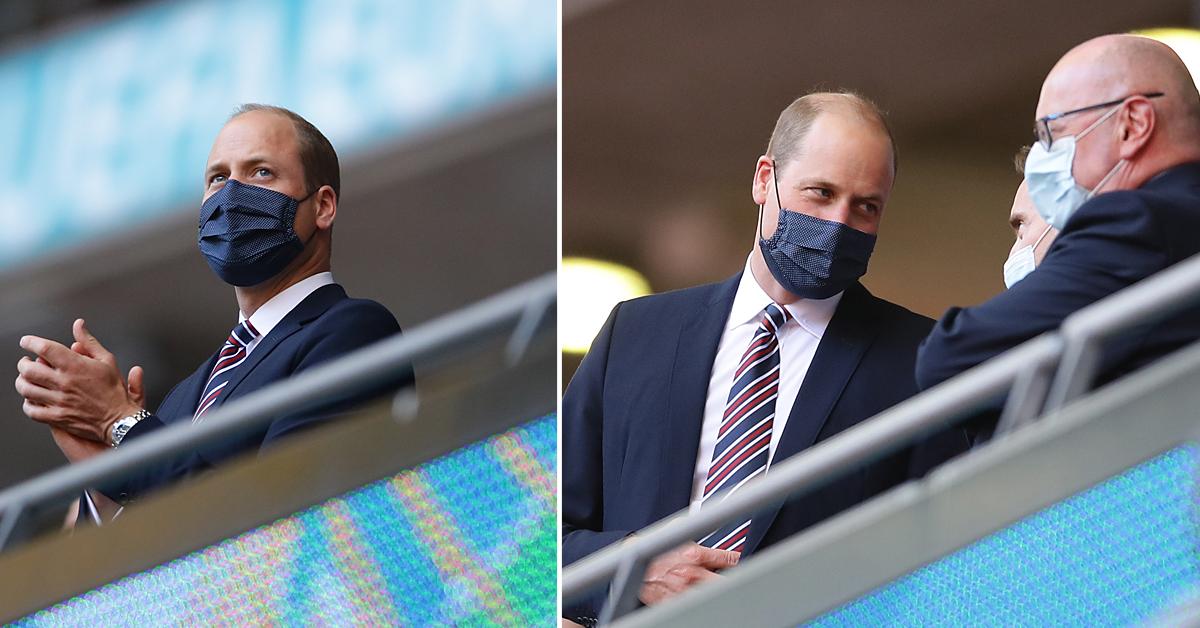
x: 120, y: 429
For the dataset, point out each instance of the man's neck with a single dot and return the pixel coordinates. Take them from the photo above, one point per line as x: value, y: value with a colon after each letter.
x: 250, y: 298
x: 766, y: 281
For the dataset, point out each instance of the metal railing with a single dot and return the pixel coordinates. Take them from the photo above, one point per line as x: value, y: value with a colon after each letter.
x: 1025, y: 372
x: 517, y: 313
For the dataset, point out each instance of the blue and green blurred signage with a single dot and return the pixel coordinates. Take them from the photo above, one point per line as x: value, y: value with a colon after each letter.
x: 110, y: 124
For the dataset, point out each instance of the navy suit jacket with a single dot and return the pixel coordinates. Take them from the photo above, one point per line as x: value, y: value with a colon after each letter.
x: 325, y: 325
x: 632, y: 415
x: 1111, y: 242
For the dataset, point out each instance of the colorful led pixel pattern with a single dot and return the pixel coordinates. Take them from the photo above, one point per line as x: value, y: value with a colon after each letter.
x: 468, y: 539
x: 1117, y: 554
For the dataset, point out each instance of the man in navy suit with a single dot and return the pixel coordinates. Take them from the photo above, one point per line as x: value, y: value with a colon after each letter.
x: 271, y: 196
x: 672, y: 405
x: 1116, y: 169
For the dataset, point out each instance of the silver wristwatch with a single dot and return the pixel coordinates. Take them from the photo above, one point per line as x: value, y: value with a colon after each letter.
x: 122, y: 426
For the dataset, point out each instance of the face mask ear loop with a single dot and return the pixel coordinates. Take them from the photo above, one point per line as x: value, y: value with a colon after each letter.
x: 1042, y: 237
x: 1096, y: 190
x: 1098, y: 122
x: 1039, y: 240
x: 304, y: 243
x: 775, y: 182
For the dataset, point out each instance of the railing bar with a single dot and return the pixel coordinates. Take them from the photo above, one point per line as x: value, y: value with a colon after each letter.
x: 623, y: 597
x: 890, y: 430
x: 359, y: 370
x: 1148, y: 301
x: 1152, y: 299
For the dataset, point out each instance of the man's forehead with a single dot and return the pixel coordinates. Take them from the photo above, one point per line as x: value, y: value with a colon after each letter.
x: 255, y: 133
x: 1078, y: 84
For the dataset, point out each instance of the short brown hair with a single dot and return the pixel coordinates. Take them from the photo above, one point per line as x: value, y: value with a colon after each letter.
x: 1020, y: 158
x: 317, y: 156
x: 795, y: 121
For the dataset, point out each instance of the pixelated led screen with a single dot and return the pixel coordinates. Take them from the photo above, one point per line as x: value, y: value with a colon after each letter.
x: 466, y: 539
x: 1120, y: 553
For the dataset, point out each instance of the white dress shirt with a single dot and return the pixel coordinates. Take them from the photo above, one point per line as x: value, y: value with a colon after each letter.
x: 268, y: 315
x: 798, y: 340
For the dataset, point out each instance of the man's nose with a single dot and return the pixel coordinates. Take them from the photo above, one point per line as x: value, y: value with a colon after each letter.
x: 842, y: 212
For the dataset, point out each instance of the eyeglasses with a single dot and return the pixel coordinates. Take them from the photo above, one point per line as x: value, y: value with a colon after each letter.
x: 1041, y: 128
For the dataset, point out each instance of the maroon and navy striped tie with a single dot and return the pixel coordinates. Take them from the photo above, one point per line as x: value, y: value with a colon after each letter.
x: 232, y: 354
x: 744, y: 438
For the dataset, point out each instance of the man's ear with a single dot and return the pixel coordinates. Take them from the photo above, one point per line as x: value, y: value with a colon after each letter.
x: 1136, y: 125
x: 762, y: 180
x: 326, y: 207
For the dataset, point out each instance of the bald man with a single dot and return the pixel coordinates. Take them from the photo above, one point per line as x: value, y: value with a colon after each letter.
x: 1116, y: 169
x: 686, y: 396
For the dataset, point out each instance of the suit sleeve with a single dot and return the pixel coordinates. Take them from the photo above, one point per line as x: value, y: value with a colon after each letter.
x: 145, y: 478
x: 1109, y: 244
x: 342, y: 332
x: 338, y: 333
x: 583, y: 463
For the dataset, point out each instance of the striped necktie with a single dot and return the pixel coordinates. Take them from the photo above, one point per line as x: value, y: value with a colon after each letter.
x: 232, y: 354
x: 744, y: 438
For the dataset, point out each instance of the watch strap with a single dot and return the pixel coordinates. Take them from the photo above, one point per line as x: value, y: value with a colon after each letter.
x: 122, y: 426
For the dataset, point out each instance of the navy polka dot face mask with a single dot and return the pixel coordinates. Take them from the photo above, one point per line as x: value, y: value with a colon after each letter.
x: 247, y: 233
x: 814, y: 258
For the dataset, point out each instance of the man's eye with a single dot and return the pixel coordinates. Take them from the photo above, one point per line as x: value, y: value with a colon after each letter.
x: 262, y: 172
x: 822, y: 192
x: 216, y: 178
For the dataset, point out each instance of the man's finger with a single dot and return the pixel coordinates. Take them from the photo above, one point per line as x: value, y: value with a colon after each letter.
x: 136, y: 391
x: 91, y: 346
x: 37, y: 394
x: 715, y: 558
x: 696, y: 575
x: 54, y: 353
x: 38, y: 373
x: 38, y: 412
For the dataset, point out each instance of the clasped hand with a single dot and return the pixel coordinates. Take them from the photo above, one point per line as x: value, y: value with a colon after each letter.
x: 77, y: 391
x: 682, y: 568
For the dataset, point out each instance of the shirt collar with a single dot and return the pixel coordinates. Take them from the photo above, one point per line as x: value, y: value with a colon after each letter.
x: 268, y: 315
x: 813, y: 315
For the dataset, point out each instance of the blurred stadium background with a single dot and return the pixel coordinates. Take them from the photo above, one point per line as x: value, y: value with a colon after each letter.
x: 444, y: 117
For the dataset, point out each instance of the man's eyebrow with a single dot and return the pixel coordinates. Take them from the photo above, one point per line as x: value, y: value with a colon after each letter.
x: 822, y: 183
x: 248, y: 162
x: 816, y: 183
x: 874, y: 198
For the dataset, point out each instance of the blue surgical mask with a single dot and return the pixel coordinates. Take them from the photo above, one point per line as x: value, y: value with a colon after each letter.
x: 247, y: 233
x: 1051, y: 182
x: 1022, y: 261
x: 814, y: 258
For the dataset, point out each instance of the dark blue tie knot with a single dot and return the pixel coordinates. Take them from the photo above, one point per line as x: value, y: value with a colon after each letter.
x: 777, y: 315
x: 244, y: 333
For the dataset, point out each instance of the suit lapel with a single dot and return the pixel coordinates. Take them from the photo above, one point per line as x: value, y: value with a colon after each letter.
x: 180, y: 404
x: 310, y: 308
x: 695, y: 351
x: 849, y: 334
